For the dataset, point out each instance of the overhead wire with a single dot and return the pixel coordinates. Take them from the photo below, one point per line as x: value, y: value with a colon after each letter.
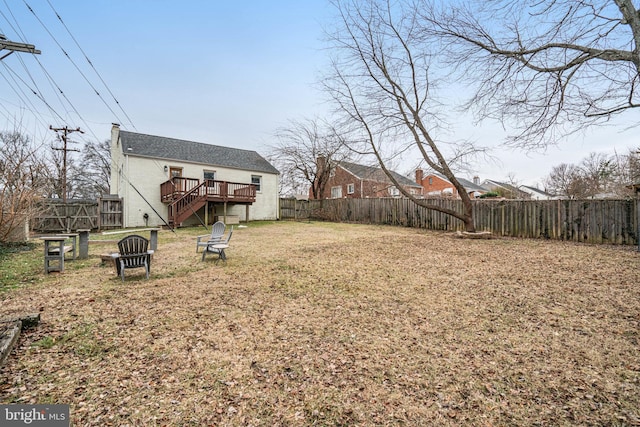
x: 37, y: 114
x: 72, y: 61
x: 18, y: 30
x: 38, y: 95
x: 91, y: 64
x: 52, y: 82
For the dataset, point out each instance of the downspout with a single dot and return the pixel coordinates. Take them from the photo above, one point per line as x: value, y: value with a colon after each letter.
x: 125, y: 223
x: 277, y: 197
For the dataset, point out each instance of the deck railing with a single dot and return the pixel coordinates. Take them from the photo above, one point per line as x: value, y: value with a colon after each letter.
x: 177, y: 187
x: 183, y: 194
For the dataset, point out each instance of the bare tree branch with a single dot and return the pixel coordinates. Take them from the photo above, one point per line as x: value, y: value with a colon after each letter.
x: 545, y: 69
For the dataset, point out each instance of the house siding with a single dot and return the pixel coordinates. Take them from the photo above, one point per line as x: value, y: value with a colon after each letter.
x: 437, y: 186
x: 363, y: 188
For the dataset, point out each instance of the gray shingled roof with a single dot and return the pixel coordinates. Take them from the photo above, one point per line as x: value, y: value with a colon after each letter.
x: 376, y: 174
x: 468, y: 185
x: 537, y: 190
x: 176, y: 149
x: 506, y: 186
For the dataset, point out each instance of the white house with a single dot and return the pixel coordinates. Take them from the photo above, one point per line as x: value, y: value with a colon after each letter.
x: 170, y: 181
x: 536, y: 193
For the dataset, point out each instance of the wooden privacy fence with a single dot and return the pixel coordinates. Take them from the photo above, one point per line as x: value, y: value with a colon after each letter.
x: 56, y: 216
x: 592, y: 221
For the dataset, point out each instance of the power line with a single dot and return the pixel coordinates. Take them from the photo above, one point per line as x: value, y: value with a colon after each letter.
x: 72, y: 61
x: 92, y: 66
x: 54, y: 85
x: 39, y: 96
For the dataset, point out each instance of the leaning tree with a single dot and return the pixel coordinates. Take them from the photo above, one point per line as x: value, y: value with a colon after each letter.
x: 383, y: 81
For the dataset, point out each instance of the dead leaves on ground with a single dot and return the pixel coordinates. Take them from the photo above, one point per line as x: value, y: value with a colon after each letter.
x: 335, y: 324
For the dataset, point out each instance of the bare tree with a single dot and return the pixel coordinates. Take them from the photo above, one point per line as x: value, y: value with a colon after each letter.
x: 305, y: 154
x: 55, y: 185
x: 566, y: 180
x: 627, y: 172
x: 596, y: 175
x: 599, y: 171
x: 383, y: 82
x: 546, y: 68
x: 21, y: 180
x: 92, y: 179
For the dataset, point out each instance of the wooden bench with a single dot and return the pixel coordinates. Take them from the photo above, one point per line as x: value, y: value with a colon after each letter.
x: 65, y: 249
x: 55, y: 250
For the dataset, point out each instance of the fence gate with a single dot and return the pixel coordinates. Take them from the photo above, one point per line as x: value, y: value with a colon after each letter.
x: 57, y: 217
x: 110, y: 212
x: 61, y: 217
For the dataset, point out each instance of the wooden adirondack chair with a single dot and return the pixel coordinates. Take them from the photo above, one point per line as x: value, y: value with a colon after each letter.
x: 134, y: 253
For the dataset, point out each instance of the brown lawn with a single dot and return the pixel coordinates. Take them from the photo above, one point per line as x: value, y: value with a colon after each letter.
x: 336, y: 324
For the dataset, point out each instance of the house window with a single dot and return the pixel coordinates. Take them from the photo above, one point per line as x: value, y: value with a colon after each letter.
x: 257, y: 181
x: 393, y: 191
x: 351, y: 189
x: 336, y: 192
x: 210, y: 175
x: 430, y: 181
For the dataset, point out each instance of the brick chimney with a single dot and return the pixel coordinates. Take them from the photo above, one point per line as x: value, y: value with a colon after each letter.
x: 476, y: 180
x: 419, y: 176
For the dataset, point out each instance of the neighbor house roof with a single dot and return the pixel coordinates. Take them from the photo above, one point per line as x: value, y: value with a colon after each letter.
x: 512, y: 189
x: 468, y: 185
x: 371, y: 173
x: 176, y: 149
x: 535, y: 190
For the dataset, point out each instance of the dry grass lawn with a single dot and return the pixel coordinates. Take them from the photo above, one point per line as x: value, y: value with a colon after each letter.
x: 336, y: 324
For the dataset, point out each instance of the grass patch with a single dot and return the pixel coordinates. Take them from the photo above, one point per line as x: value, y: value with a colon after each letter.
x: 19, y: 264
x: 337, y: 324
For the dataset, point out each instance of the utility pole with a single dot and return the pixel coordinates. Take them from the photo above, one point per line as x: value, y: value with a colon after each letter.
x: 15, y: 47
x: 65, y: 132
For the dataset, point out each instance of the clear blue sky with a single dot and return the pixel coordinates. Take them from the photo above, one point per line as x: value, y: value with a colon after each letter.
x: 222, y: 72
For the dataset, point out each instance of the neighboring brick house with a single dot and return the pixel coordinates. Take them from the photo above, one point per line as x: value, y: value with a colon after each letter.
x: 437, y: 185
x: 350, y: 180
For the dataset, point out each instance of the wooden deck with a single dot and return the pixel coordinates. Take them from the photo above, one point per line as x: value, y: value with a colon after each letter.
x: 212, y: 190
x: 186, y: 195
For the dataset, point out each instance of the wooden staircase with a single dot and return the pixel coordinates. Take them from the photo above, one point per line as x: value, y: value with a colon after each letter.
x: 186, y: 195
x: 187, y: 205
